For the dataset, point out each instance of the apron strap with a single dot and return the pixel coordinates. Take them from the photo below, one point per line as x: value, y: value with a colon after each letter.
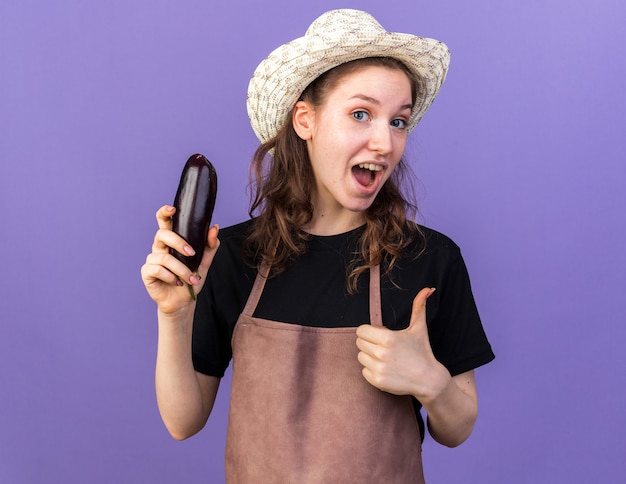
x: 376, y: 317
x: 375, y: 302
x: 257, y: 289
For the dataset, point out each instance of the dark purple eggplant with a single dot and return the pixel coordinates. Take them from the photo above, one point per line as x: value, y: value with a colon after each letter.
x: 194, y: 202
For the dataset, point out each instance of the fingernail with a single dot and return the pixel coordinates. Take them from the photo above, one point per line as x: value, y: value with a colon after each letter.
x: 189, y: 250
x: 432, y: 290
x: 194, y: 280
x: 179, y: 282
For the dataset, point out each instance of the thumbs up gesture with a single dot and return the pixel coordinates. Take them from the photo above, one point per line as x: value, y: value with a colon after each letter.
x: 402, y: 362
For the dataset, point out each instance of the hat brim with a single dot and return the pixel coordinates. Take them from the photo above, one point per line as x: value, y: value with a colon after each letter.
x: 280, y: 79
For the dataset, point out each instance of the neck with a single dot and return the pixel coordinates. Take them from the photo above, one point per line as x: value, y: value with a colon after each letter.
x: 324, y: 224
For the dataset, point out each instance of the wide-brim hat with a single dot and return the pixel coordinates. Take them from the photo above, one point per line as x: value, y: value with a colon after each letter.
x: 334, y: 38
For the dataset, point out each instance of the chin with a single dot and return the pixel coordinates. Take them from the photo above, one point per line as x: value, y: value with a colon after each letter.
x: 359, y: 207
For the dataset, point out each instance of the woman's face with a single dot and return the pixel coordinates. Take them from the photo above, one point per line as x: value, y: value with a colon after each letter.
x: 355, y: 139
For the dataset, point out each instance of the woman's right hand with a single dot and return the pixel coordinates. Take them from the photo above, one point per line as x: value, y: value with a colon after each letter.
x: 164, y: 276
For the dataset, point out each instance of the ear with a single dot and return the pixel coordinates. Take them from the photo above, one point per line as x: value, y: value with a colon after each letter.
x: 303, y: 120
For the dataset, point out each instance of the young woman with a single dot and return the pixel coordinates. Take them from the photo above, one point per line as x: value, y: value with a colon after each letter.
x: 342, y: 317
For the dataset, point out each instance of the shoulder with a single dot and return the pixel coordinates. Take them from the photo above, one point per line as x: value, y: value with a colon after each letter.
x: 235, y: 232
x: 232, y: 240
x: 430, y: 242
x: 232, y: 237
x: 438, y: 241
x: 431, y: 259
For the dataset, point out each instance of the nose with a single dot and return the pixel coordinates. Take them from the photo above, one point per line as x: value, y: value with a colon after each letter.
x: 381, y: 138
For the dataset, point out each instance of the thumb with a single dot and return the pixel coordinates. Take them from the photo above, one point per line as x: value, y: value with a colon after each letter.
x: 213, y: 243
x: 418, y: 312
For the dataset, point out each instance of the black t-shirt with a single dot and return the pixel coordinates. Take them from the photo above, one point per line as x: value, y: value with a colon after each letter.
x: 312, y: 292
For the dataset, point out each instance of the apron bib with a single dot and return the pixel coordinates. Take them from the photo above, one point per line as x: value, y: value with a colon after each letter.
x: 301, y: 411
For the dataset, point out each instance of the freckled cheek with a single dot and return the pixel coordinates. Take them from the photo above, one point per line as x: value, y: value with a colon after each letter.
x: 400, y: 144
x: 396, y: 161
x: 397, y: 155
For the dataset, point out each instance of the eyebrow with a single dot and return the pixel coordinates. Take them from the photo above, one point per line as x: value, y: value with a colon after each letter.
x: 376, y: 101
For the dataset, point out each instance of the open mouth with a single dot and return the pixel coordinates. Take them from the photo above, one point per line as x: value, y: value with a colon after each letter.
x: 365, y: 173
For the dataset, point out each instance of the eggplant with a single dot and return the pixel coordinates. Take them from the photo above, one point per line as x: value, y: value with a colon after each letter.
x: 194, y: 202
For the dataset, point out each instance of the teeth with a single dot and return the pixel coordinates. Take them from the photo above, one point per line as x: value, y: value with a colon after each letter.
x: 370, y: 167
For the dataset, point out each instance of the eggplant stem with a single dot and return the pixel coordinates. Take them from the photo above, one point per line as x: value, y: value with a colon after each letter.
x: 191, y: 292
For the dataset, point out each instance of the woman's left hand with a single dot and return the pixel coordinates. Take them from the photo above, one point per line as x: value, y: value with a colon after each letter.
x: 402, y: 362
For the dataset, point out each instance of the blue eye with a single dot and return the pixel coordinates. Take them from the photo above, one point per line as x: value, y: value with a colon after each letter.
x: 360, y: 115
x: 399, y: 123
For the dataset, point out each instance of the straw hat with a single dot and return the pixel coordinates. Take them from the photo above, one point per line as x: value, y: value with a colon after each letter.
x: 336, y: 37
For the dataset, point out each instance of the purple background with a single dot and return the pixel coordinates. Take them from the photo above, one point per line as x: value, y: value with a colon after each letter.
x: 520, y: 160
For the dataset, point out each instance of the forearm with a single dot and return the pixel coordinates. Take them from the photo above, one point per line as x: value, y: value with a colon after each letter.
x: 183, y: 407
x: 453, y: 412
